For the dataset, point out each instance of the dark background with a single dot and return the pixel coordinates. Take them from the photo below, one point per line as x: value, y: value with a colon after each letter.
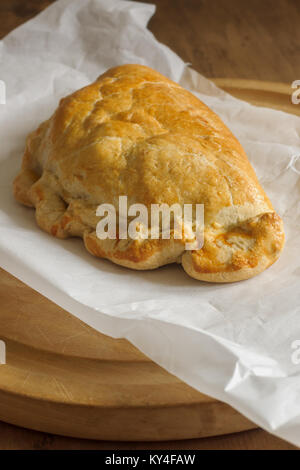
x: 256, y: 39
x: 252, y: 39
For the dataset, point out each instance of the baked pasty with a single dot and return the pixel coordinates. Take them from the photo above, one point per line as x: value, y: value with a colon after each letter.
x: 134, y: 132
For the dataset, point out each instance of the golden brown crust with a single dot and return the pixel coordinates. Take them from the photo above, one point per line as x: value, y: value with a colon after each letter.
x: 239, y: 253
x: 134, y: 132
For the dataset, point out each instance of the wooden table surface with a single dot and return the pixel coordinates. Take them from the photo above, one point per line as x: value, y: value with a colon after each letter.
x: 258, y: 40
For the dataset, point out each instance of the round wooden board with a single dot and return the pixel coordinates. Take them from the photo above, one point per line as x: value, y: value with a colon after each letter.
x: 65, y: 378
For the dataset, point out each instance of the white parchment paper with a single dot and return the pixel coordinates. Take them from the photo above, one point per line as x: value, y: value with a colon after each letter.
x: 233, y: 342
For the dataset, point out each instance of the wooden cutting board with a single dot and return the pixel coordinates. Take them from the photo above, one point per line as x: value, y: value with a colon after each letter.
x: 65, y: 378
x: 269, y: 94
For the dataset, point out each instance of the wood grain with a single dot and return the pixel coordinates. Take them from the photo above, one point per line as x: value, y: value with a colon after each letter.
x: 225, y: 38
x: 50, y: 354
x: 257, y: 40
x: 260, y: 93
x: 62, y: 376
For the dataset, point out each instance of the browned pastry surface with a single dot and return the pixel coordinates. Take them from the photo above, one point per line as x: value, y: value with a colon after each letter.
x: 134, y: 132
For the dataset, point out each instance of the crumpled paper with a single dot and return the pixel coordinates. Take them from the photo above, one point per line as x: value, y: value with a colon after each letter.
x: 233, y: 342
